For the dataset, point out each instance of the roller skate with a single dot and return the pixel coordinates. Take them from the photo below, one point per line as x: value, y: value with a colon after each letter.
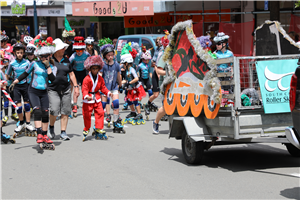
x: 6, y: 138
x: 125, y: 106
x: 44, y: 142
x: 108, y: 120
x: 147, y: 111
x: 164, y: 118
x: 153, y: 107
x: 15, y: 117
x: 85, y: 134
x: 4, y: 120
x: 118, y: 127
x: 19, y: 130
x: 138, y: 120
x: 129, y: 118
x: 100, y: 134
x: 74, y: 110
x: 30, y: 130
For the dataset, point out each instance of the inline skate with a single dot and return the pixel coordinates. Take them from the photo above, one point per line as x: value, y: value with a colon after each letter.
x: 118, y: 127
x: 147, y: 111
x: 4, y: 120
x: 153, y: 107
x: 74, y: 110
x: 85, y: 134
x: 125, y: 106
x: 30, y: 130
x: 108, y: 120
x: 164, y: 118
x: 15, y: 117
x: 44, y: 142
x: 100, y: 134
x: 129, y: 118
x: 6, y: 138
x: 138, y: 120
x: 19, y: 130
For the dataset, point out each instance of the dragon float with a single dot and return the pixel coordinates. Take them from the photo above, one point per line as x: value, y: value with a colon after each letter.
x: 192, y: 83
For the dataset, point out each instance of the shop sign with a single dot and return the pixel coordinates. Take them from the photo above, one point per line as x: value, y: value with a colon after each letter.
x: 165, y: 19
x: 274, y: 81
x: 112, y: 8
x: 47, y: 12
x: 17, y: 9
x: 5, y: 12
x: 14, y: 20
x: 75, y: 22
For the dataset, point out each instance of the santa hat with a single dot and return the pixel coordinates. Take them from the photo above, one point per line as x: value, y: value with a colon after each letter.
x: 93, y: 60
x: 79, y: 43
x: 44, y: 46
x: 68, y: 32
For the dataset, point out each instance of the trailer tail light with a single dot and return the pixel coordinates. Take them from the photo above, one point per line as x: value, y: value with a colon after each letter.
x: 293, y: 90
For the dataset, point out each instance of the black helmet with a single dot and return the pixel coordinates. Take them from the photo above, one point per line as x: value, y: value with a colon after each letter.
x: 4, y: 38
x: 18, y: 46
x: 107, y: 50
x: 30, y: 49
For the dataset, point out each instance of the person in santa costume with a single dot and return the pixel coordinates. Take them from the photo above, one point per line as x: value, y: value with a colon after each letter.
x: 92, y: 85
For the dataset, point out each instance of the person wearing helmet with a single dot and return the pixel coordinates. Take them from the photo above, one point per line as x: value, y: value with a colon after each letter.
x: 43, y: 71
x: 20, y: 89
x: 14, y: 115
x: 223, y: 51
x: 5, y: 46
x: 111, y: 73
x: 89, y: 41
x: 77, y: 63
x: 135, y: 90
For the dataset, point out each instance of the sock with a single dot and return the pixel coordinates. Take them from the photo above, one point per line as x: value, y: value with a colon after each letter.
x: 44, y: 132
x: 62, y: 131
x: 149, y: 102
x: 6, y: 111
x: 51, y: 127
x: 13, y: 111
x: 21, y: 122
x: 39, y: 130
x: 27, y: 123
x: 116, y: 116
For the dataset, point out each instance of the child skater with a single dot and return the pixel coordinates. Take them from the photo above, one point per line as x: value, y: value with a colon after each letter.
x: 92, y: 85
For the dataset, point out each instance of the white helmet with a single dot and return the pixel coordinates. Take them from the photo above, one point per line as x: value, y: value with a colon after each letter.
x: 126, y: 58
x: 27, y: 39
x: 89, y: 40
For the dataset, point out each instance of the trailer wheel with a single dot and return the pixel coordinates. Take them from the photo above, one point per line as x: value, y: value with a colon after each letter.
x: 192, y: 151
x: 294, y: 151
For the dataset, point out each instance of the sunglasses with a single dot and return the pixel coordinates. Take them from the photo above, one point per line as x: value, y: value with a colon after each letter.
x: 89, y: 45
x: 5, y: 61
x: 219, y: 43
x: 45, y: 56
x: 79, y: 50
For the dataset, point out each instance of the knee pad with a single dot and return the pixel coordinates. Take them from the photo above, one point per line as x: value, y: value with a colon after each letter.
x: 6, y: 103
x: 129, y: 103
x: 108, y: 100
x: 27, y: 107
x: 116, y: 103
x: 37, y: 114
x: 150, y: 93
x: 45, y: 116
x: 19, y: 111
x: 103, y: 104
x: 136, y: 103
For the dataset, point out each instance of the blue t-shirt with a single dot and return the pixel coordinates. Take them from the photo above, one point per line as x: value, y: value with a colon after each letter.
x: 226, y: 54
x: 77, y: 62
x: 18, y: 68
x: 144, y: 70
x: 110, y: 75
x: 39, y: 75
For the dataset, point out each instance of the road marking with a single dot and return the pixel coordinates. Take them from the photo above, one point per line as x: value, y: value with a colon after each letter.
x: 296, y: 175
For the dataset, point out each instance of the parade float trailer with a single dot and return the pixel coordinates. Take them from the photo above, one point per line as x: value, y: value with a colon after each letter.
x: 193, y: 97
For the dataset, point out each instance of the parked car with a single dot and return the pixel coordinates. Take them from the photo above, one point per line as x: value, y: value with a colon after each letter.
x: 293, y: 132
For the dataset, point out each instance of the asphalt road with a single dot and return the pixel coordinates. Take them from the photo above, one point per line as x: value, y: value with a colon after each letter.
x: 140, y: 165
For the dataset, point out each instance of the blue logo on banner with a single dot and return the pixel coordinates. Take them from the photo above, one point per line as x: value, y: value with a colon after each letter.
x: 274, y: 80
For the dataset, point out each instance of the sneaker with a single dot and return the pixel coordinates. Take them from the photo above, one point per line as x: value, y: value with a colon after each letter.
x: 51, y: 133
x: 70, y: 116
x: 64, y: 136
x: 155, y: 128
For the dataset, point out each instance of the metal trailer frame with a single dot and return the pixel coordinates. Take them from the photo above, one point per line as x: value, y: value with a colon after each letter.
x: 236, y: 124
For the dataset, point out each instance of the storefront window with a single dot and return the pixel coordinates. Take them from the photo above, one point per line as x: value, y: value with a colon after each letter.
x: 113, y: 29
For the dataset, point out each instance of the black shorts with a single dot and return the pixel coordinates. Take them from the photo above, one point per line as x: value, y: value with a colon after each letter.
x: 38, y: 98
x: 21, y: 90
x: 80, y: 75
x: 146, y: 82
x: 155, y: 85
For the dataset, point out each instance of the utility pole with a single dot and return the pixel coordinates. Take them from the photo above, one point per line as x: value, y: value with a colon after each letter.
x: 35, y: 18
x: 274, y: 10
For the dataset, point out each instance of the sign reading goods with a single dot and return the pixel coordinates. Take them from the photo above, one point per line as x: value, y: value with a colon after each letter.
x: 112, y: 8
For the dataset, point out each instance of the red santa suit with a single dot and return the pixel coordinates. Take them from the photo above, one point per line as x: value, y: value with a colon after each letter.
x: 92, y: 89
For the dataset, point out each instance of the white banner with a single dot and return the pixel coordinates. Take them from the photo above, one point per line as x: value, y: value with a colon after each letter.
x: 47, y: 12
x: 75, y: 22
x: 6, y: 12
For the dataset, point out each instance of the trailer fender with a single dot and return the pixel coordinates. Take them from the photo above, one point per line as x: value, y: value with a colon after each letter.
x: 194, y: 127
x: 293, y: 136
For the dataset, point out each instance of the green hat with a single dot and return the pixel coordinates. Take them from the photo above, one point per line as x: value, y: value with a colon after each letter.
x: 104, y: 41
